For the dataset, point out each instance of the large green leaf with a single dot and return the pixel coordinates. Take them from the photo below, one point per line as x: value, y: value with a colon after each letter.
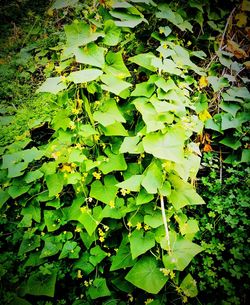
x: 84, y: 76
x: 52, y: 85
x: 4, y: 196
x: 109, y: 113
x: 153, y: 179
x: 30, y: 242
x: 127, y: 20
x: 146, y: 275
x: 39, y: 284
x: 133, y: 145
x: 182, y: 252
x: 91, y: 54
x: 183, y: 193
x: 104, y: 192
x: 143, y: 89
x: 70, y: 249
x: 168, y: 146
x: 90, y: 219
x: 122, y: 259
x: 54, y: 183
x: 97, y: 255
x: 80, y: 33
x: 53, y: 244
x: 115, y: 129
x: 115, y: 65
x: 114, y: 162
x: 140, y: 242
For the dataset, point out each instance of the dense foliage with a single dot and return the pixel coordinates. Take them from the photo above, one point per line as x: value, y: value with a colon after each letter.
x: 107, y: 109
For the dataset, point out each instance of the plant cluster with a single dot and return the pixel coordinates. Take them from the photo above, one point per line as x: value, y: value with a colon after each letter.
x: 98, y: 181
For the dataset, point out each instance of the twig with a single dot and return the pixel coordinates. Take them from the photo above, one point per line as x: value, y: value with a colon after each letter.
x: 165, y: 223
x: 225, y: 30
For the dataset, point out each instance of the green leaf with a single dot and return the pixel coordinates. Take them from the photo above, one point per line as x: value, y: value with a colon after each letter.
x: 104, y: 192
x: 231, y: 142
x: 84, y: 76
x: 189, y: 287
x: 165, y: 12
x: 114, y: 162
x: 232, y: 108
x: 154, y: 219
x: 99, y: 289
x: 53, y: 85
x: 54, y: 183
x: 241, y: 92
x: 133, y: 183
x: 144, y: 89
x: 70, y: 250
x: 182, y: 252
x: 17, y: 190
x: 87, y: 239
x: 183, y: 193
x: 168, y: 146
x: 33, y: 176
x: 97, y: 255
x: 122, y: 259
x: 52, y: 219
x: 127, y: 20
x: 19, y: 301
x: 146, y: 275
x: 115, y: 66
x: 115, y: 129
x: 90, y: 219
x: 114, y: 84
x: 228, y: 121
x: 153, y: 179
x: 91, y: 54
x: 140, y: 242
x: 109, y: 113
x: 52, y: 246
x: 79, y: 34
x: 84, y: 264
x: 132, y: 145
x: 112, y: 33
x: 4, y: 196
x: 30, y: 242
x: 144, y: 60
x: 61, y: 120
x: 39, y: 284
x: 143, y: 197
x: 245, y: 157
x: 218, y: 82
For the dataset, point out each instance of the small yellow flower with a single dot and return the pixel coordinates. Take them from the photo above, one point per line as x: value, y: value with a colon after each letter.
x: 184, y: 299
x: 72, y: 126
x: 96, y: 137
x: 97, y: 175
x: 78, y: 230
x: 148, y: 301
x: 66, y: 168
x: 100, y: 232
x: 112, y: 204
x: 79, y: 274
x: 75, y: 111
x: 56, y: 155
x: 129, y: 224
x: 86, y: 283
x: 57, y: 195
x: 138, y: 226
x: 146, y: 227
x: 124, y: 192
x: 165, y: 271
x: 106, y: 228
x: 101, y: 239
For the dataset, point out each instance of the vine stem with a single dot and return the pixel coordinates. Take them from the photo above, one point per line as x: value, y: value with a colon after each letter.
x: 164, y: 218
x: 225, y: 30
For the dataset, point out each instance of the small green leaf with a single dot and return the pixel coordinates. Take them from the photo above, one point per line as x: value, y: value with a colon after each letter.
x: 84, y: 76
x: 232, y: 108
x: 52, y: 246
x: 53, y: 85
x: 122, y: 259
x: 146, y: 275
x: 114, y: 84
x: 4, y: 196
x: 143, y: 197
x: 131, y: 145
x: 112, y: 33
x: 114, y: 162
x: 109, y: 113
x: 189, y: 287
x: 231, y: 142
x: 97, y: 255
x: 33, y: 176
x: 245, y: 157
x: 115, y: 129
x: 70, y: 250
x: 143, y: 89
x: 90, y: 219
x: 154, y: 219
x: 127, y: 20
x: 140, y: 242
x: 30, y: 242
x: 58, y: 4
x: 218, y: 82
x: 99, y: 289
x: 133, y: 183
x: 17, y: 190
x: 153, y: 179
x: 91, y: 54
x: 115, y: 65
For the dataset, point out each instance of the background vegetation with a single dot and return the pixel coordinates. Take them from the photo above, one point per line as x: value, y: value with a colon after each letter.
x: 114, y: 116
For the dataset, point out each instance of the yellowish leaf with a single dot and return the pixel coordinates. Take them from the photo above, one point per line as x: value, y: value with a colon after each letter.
x: 204, y: 115
x: 207, y: 147
x: 247, y: 64
x: 242, y: 19
x: 203, y: 82
x: 245, y: 6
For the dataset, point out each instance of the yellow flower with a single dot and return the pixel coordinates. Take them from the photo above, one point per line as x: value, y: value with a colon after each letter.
x: 96, y: 137
x: 204, y: 115
x: 124, y: 192
x: 138, y: 226
x: 97, y: 175
x: 101, y: 239
x: 56, y: 155
x: 112, y: 204
x: 165, y: 271
x: 66, y: 168
x: 184, y: 299
x: 129, y: 224
x: 79, y: 274
x: 203, y: 82
x: 146, y: 227
x: 148, y: 301
x: 86, y: 283
x: 75, y: 111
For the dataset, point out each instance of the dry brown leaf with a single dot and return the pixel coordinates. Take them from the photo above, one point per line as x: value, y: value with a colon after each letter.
x: 207, y: 147
x: 245, y: 6
x: 235, y: 49
x: 247, y: 64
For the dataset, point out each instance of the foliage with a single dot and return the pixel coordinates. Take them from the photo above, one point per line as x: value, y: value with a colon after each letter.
x: 99, y: 167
